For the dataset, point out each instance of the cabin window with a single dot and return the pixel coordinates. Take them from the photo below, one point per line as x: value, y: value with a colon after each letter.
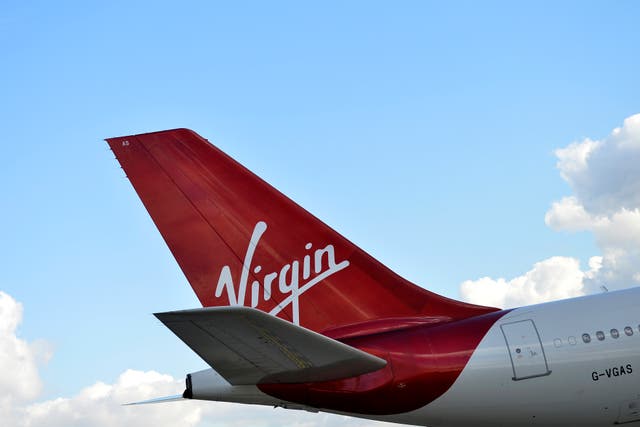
x: 586, y: 338
x: 600, y: 335
x: 628, y: 331
x: 572, y: 340
x: 614, y: 333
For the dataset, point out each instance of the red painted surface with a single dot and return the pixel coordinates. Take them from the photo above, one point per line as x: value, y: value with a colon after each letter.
x: 379, y: 326
x: 207, y: 207
x: 423, y: 363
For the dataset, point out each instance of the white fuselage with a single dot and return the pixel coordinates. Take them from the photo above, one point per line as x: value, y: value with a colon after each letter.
x: 532, y: 367
x: 558, y: 380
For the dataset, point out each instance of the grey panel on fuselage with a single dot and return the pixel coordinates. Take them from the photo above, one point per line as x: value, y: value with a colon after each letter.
x: 576, y: 393
x: 525, y: 350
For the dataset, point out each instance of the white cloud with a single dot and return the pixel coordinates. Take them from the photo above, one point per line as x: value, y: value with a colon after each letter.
x: 619, y: 230
x: 605, y: 178
x: 572, y: 160
x: 617, y: 235
x: 604, y: 174
x: 569, y: 215
x: 100, y: 405
x: 19, y: 377
x: 20, y: 380
x: 548, y: 280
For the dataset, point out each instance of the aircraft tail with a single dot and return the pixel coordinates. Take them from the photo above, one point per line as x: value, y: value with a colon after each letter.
x: 241, y: 242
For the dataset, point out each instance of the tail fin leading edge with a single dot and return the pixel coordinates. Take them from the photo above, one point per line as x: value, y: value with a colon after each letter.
x: 241, y: 242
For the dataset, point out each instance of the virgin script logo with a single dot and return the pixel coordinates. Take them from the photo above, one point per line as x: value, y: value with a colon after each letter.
x: 290, y: 281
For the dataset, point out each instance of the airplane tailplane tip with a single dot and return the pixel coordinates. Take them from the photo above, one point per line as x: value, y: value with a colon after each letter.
x: 241, y: 242
x: 247, y: 347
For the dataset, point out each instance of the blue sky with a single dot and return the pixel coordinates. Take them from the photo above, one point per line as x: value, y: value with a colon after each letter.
x: 423, y: 131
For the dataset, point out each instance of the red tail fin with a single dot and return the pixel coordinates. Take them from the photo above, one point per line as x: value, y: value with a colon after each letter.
x: 241, y: 242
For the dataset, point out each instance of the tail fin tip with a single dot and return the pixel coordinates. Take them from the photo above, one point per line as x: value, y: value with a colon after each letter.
x: 239, y: 241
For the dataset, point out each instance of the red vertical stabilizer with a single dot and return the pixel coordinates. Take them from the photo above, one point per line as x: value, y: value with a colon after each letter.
x: 239, y: 241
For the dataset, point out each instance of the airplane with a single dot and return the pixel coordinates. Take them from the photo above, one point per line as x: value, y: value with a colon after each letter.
x: 296, y: 316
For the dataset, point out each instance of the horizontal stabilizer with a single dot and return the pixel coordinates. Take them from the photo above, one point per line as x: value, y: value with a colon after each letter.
x: 248, y: 346
x: 166, y: 399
